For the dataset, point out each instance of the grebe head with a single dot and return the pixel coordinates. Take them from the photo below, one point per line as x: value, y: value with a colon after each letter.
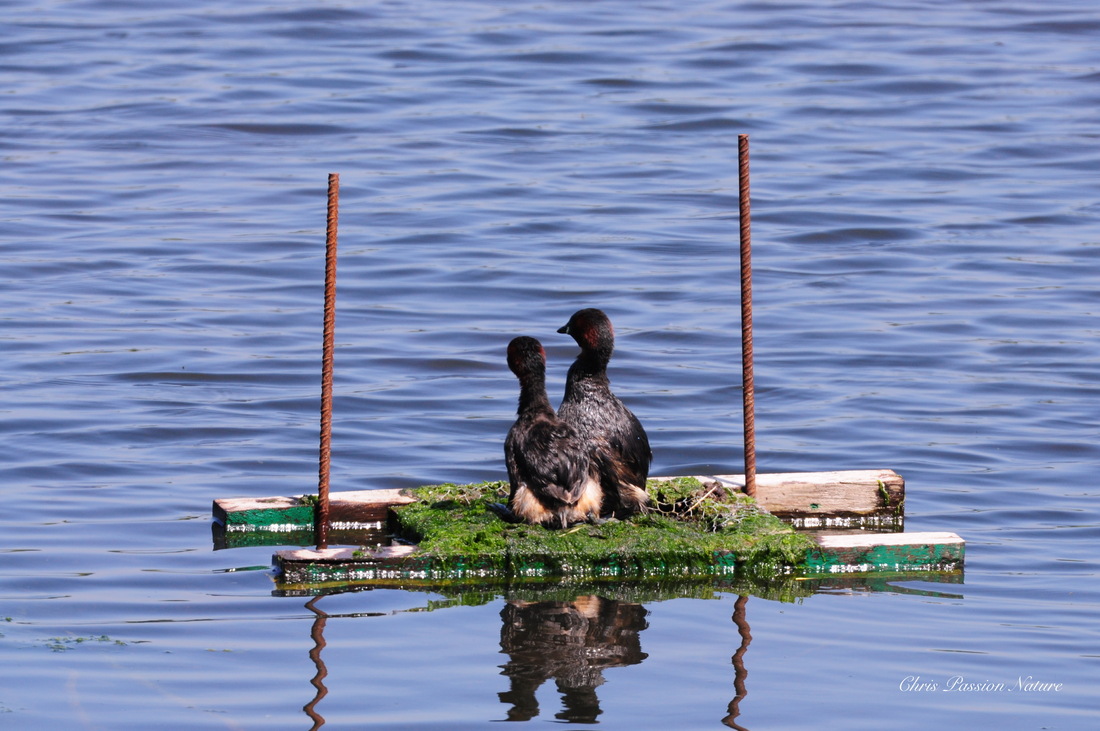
x: 526, y: 357
x: 592, y: 330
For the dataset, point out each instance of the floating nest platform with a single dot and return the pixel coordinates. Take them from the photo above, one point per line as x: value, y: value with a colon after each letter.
x: 699, y: 527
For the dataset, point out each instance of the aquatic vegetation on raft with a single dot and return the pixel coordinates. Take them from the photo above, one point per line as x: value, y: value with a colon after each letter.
x: 692, y: 529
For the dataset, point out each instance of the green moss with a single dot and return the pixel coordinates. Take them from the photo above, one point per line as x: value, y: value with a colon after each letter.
x: 899, y: 507
x: 693, y: 530
x: 454, y: 520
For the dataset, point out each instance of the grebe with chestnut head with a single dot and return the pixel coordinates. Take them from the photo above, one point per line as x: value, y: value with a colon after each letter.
x: 553, y: 480
x: 618, y: 443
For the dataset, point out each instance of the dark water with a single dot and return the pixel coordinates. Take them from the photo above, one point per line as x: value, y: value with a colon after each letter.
x: 927, y: 251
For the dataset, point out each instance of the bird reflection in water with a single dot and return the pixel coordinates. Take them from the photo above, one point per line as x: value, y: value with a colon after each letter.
x: 571, y: 642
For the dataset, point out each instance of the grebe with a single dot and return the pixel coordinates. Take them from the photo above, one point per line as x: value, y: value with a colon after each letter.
x: 618, y: 443
x: 553, y: 480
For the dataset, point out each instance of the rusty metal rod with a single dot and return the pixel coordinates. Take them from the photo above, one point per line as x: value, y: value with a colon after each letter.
x: 749, y: 401
x: 328, y: 346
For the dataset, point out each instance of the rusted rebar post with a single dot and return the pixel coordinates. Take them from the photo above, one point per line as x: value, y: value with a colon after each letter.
x: 328, y: 346
x: 749, y: 402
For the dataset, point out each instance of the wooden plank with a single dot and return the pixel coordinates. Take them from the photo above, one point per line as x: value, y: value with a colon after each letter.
x: 361, y: 534
x: 836, y: 554
x: 858, y: 553
x: 405, y: 566
x: 868, y: 499
x: 347, y: 510
x: 382, y: 566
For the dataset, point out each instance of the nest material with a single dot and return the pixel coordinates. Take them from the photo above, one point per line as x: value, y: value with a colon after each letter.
x: 712, y: 506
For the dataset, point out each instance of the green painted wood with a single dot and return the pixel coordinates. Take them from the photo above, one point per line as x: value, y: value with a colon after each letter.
x: 893, y: 553
x: 351, y: 509
x: 906, y: 552
x: 386, y: 567
x: 287, y: 518
x: 284, y: 535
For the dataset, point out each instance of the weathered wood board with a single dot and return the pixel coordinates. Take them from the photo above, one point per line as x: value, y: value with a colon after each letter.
x: 837, y: 554
x: 356, y: 509
x: 360, y: 534
x: 873, y: 499
x: 904, y: 552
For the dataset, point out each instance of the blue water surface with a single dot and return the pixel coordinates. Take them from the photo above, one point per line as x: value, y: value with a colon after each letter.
x: 926, y: 232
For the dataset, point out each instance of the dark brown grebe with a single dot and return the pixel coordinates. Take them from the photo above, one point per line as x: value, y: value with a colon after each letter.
x: 620, y: 447
x: 553, y: 480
